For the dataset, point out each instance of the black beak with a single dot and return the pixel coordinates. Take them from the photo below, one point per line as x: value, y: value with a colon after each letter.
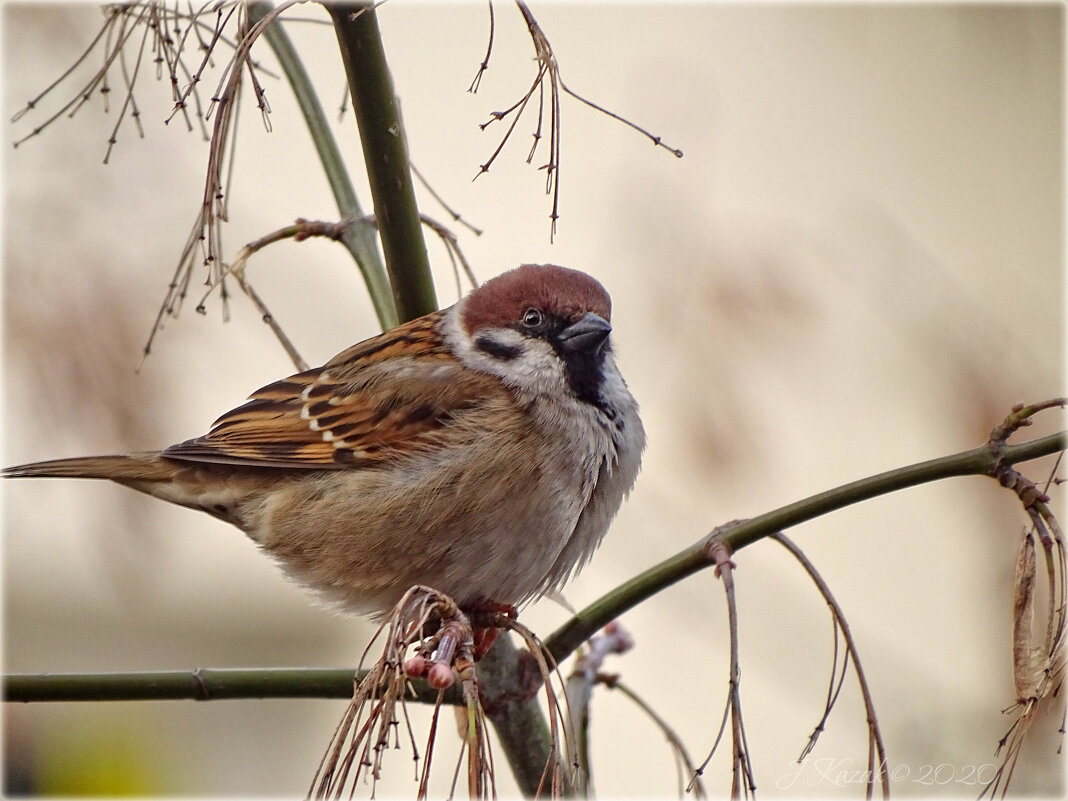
x: 588, y: 334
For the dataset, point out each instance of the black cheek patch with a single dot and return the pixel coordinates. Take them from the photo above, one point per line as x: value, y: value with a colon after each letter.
x: 496, y: 349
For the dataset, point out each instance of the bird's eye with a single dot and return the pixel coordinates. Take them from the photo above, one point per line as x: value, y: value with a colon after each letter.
x: 531, y: 318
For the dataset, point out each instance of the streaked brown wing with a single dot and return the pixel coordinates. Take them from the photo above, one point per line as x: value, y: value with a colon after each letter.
x: 370, y: 404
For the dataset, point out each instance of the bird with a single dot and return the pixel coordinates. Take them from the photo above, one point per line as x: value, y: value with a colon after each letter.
x: 481, y: 450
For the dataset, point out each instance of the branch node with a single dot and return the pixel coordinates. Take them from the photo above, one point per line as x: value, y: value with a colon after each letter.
x: 717, y: 551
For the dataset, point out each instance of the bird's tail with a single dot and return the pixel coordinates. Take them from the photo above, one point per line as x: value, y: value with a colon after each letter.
x: 139, y: 466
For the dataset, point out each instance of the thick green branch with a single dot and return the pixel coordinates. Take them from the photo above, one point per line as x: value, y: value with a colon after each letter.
x: 979, y: 461
x: 203, y: 684
x: 359, y: 237
x: 385, y: 153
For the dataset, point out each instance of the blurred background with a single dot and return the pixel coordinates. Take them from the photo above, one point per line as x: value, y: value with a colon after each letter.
x: 857, y: 265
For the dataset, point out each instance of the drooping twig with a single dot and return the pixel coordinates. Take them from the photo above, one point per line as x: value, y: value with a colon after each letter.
x: 1038, y: 663
x: 359, y: 239
x: 129, y: 78
x: 539, y: 751
x: 875, y: 738
x: 98, y: 79
x: 549, y: 69
x: 834, y: 689
x: 456, y: 216
x: 368, y: 726
x: 452, y: 248
x: 558, y: 774
x: 207, y: 49
x: 584, y: 675
x: 116, y: 17
x: 204, y: 245
x: 742, y: 782
x: 485, y: 59
x: 689, y: 781
x: 307, y: 229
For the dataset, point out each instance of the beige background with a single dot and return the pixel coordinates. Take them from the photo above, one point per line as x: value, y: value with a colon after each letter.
x: 857, y: 265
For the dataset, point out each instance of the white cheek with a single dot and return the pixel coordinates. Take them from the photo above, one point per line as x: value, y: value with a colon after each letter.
x: 537, y: 369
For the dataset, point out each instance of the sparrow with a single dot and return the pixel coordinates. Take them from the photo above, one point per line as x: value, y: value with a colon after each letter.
x: 481, y: 450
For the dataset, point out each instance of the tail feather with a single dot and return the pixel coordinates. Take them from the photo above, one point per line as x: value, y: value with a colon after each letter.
x: 140, y: 466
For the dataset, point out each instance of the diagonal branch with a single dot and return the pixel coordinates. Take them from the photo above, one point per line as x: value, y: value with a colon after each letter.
x: 983, y: 460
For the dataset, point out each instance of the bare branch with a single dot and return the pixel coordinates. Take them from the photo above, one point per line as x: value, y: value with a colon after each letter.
x: 200, y: 684
x: 585, y: 673
x: 129, y: 79
x: 113, y: 15
x: 118, y: 17
x: 301, y: 230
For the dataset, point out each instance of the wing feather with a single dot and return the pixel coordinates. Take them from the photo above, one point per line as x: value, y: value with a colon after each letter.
x: 371, y: 404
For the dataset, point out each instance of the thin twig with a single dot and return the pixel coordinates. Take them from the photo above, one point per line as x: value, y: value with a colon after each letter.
x: 874, y: 734
x: 485, y: 59
x: 548, y: 68
x: 360, y: 241
x: 682, y: 756
x: 456, y: 216
x: 585, y: 673
x: 1038, y: 668
x: 742, y: 782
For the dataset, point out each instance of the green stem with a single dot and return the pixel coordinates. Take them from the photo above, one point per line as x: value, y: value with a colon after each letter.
x: 359, y: 236
x: 978, y: 461
x: 385, y: 154
x: 203, y: 684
